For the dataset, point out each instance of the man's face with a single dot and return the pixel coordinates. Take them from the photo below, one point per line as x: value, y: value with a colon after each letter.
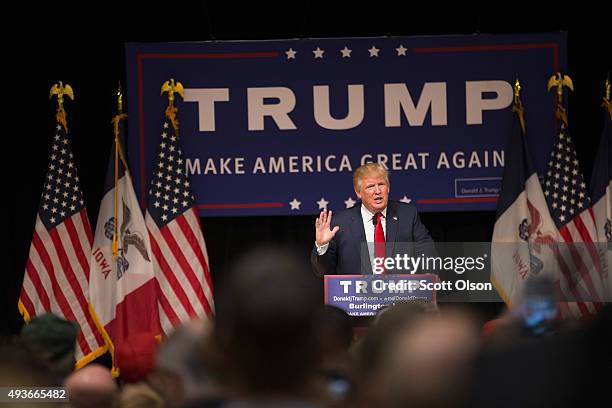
x: 374, y: 192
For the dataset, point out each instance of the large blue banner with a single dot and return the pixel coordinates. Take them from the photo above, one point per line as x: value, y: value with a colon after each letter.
x: 278, y: 127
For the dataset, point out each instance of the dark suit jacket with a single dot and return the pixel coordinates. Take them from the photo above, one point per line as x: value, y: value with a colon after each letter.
x: 347, y: 253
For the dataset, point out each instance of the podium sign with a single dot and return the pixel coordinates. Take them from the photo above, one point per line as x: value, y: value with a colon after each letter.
x: 364, y: 295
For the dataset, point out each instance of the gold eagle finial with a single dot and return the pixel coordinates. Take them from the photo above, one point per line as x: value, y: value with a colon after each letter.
x: 559, y: 80
x: 172, y: 87
x: 119, y: 99
x: 60, y: 90
x: 120, y: 115
x: 517, y: 91
x: 518, y: 105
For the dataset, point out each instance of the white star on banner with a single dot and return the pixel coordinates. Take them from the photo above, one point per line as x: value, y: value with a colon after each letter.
x: 401, y: 50
x: 290, y: 53
x: 405, y: 199
x: 318, y: 53
x: 374, y: 51
x: 295, y: 204
x: 346, y: 53
x: 349, y: 202
x: 322, y: 204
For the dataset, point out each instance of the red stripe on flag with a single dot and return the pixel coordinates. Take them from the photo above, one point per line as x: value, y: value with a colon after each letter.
x: 76, y: 245
x: 579, y: 263
x: 165, y: 305
x: 57, y: 292
x: 87, y: 228
x: 199, y: 252
x: 174, y: 284
x: 588, y: 239
x: 565, y: 307
x: 71, y: 278
x: 572, y: 285
x: 27, y: 303
x: 185, y: 267
x: 34, y: 276
x: 195, y: 246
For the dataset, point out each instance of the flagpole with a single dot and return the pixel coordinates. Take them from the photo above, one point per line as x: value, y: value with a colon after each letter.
x: 607, y: 104
x: 116, y: 121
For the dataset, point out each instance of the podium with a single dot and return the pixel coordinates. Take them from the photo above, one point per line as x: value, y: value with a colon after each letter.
x: 364, y: 295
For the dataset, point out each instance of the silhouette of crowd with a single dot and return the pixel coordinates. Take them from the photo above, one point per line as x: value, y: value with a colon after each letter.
x: 273, y: 344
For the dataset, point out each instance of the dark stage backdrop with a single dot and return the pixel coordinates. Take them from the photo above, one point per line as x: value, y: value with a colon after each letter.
x: 83, y: 44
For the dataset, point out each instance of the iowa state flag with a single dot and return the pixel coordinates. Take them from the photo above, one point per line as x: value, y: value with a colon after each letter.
x: 524, y: 234
x: 601, y: 197
x: 122, y: 287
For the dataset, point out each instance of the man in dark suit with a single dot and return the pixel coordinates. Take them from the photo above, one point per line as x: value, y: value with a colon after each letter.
x: 349, y: 244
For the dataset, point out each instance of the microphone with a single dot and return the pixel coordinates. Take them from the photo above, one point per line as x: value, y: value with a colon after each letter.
x: 374, y: 220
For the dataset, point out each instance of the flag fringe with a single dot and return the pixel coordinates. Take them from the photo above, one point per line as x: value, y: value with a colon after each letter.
x: 501, y: 291
x: 109, y: 343
x: 23, y: 311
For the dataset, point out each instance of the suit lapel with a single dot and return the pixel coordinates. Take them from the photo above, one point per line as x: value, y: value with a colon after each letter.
x: 391, y: 232
x: 359, y: 237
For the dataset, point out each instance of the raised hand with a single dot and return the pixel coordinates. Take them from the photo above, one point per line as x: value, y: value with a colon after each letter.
x: 324, y: 233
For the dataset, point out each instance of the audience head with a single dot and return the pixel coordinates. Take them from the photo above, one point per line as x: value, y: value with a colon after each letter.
x: 427, y: 364
x: 370, y: 351
x: 265, y: 311
x: 182, y: 372
x: 333, y: 329
x: 20, y: 367
x: 53, y: 340
x: 138, y: 395
x: 333, y: 332
x: 92, y: 386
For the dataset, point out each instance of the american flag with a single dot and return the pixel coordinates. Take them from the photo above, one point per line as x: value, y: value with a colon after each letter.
x: 57, y: 270
x: 569, y: 204
x: 179, y: 251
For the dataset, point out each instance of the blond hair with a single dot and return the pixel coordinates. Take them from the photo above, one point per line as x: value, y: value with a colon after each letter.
x: 369, y: 169
x: 139, y: 395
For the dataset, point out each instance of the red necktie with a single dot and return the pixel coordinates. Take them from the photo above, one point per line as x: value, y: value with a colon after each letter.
x: 379, y: 237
